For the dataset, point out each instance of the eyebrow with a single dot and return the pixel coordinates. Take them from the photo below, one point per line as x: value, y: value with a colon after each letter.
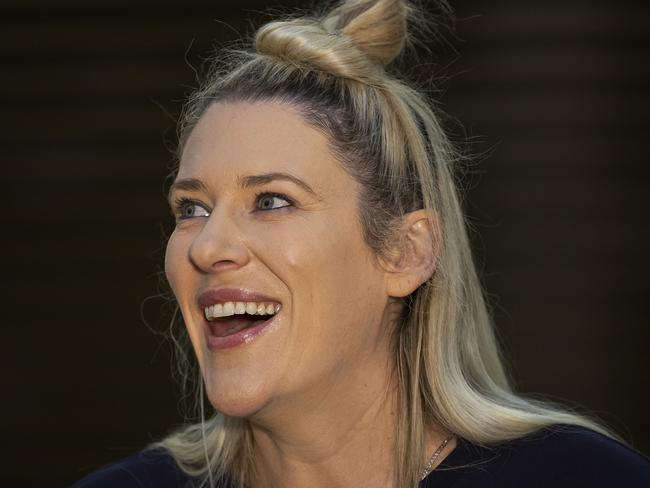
x: 248, y: 181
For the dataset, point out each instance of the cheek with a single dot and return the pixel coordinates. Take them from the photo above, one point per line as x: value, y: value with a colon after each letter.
x: 175, y: 261
x: 170, y: 261
x: 180, y: 275
x: 332, y: 281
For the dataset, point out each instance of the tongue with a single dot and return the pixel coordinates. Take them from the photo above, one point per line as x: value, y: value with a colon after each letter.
x: 226, y: 326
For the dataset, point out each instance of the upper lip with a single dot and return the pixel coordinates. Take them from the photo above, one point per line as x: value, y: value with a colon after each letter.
x: 221, y: 295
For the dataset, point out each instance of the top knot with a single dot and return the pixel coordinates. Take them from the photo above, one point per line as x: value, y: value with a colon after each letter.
x: 354, y: 40
x: 377, y: 27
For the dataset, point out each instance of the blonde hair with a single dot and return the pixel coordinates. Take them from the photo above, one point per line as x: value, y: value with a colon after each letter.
x: 334, y: 70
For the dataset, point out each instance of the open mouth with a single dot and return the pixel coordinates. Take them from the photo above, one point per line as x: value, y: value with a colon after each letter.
x: 230, y: 318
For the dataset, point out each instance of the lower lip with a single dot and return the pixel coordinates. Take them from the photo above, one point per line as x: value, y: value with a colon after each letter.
x: 244, y: 336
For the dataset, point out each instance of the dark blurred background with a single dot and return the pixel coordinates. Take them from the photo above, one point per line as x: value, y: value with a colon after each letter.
x: 554, y: 97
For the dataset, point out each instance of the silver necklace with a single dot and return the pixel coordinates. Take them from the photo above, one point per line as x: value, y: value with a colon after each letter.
x: 427, y: 468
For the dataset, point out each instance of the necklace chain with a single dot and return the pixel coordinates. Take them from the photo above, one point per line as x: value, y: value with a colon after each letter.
x: 427, y: 468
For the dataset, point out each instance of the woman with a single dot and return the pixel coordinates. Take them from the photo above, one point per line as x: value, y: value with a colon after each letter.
x: 322, y: 268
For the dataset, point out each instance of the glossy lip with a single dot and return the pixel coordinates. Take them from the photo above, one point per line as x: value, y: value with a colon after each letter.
x: 212, y: 296
x: 242, y: 337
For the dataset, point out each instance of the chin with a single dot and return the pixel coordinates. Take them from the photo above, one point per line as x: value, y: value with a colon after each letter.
x: 242, y: 402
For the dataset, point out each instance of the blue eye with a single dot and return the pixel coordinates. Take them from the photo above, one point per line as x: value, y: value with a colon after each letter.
x: 268, y: 201
x: 188, y: 209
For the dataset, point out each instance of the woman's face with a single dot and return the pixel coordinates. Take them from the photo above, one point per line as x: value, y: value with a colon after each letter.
x: 301, y: 249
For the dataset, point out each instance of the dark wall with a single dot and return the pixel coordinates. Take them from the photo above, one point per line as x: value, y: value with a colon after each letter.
x: 553, y: 95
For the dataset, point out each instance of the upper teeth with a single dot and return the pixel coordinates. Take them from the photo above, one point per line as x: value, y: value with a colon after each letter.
x: 232, y: 308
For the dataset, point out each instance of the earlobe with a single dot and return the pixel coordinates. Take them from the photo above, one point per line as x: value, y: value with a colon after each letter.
x: 415, y: 259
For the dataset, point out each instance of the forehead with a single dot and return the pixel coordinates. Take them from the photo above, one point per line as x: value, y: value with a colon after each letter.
x: 232, y: 139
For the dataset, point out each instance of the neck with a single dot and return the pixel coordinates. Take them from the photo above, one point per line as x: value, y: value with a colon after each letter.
x: 342, y: 435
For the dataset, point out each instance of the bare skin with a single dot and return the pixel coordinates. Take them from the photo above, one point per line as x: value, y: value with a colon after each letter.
x: 316, y: 385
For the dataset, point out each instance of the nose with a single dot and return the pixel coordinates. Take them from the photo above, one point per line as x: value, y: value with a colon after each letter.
x: 218, y: 245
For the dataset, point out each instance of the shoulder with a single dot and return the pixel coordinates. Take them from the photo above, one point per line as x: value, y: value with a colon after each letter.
x: 561, y: 456
x: 148, y: 468
x: 575, y: 456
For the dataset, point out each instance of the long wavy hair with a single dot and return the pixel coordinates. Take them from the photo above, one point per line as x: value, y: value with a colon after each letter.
x: 336, y: 69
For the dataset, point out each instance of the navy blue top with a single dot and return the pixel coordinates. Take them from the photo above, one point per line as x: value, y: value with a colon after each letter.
x: 559, y: 457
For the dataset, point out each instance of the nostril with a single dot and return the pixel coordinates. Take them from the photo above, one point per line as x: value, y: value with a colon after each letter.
x: 224, y: 265
x: 216, y: 244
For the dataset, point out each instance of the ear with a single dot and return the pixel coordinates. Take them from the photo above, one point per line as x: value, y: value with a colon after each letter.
x: 415, y: 258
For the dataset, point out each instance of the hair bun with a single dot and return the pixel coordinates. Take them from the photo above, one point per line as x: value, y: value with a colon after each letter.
x: 352, y: 41
x: 377, y: 27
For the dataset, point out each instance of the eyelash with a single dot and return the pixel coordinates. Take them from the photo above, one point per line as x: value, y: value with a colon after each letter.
x: 258, y: 196
x: 181, y: 202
